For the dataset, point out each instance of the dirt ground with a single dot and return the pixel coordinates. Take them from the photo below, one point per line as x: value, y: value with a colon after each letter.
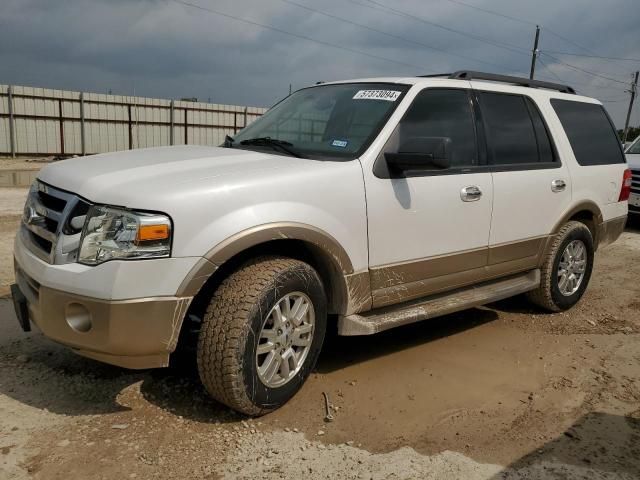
x: 503, y: 391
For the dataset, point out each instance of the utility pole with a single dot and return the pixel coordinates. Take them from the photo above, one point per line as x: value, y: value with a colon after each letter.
x: 534, y: 52
x: 634, y: 88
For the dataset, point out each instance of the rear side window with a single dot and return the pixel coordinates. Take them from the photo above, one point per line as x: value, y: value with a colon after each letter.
x: 590, y: 132
x: 511, y: 136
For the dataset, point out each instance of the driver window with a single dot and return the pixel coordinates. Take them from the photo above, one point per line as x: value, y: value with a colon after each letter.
x: 443, y: 113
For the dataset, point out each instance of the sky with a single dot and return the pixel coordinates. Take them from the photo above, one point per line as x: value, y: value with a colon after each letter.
x: 248, y: 52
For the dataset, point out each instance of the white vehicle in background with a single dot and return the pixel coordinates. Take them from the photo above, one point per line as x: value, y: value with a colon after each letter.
x: 633, y: 159
x: 368, y: 203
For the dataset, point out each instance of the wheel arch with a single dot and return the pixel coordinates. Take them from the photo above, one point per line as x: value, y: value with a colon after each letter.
x: 586, y: 212
x: 347, y: 292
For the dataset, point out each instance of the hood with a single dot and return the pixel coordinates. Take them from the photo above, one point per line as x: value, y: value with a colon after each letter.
x: 633, y: 159
x: 128, y: 178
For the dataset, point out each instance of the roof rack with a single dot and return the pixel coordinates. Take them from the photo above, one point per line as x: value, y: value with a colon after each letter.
x: 524, y: 82
x: 436, y: 75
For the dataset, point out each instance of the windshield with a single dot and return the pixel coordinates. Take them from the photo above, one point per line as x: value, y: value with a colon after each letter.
x: 328, y: 121
x: 634, y: 148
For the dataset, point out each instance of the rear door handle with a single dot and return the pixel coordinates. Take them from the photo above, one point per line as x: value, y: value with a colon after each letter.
x: 558, y: 186
x: 471, y: 193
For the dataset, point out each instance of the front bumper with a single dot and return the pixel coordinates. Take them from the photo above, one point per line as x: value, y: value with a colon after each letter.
x: 88, y: 309
x: 136, y: 333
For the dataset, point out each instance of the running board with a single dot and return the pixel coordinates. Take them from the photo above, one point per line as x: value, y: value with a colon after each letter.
x: 385, y: 318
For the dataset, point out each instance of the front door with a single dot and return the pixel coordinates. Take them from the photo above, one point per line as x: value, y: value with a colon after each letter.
x: 429, y: 228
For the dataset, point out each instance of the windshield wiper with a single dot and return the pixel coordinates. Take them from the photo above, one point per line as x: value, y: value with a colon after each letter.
x: 228, y: 141
x: 273, y: 142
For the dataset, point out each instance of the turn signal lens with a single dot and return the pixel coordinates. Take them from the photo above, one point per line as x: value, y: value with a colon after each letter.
x: 152, y: 232
x: 625, y: 191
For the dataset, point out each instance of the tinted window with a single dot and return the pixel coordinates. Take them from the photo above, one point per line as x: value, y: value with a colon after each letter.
x: 545, y: 150
x: 327, y: 121
x: 443, y: 113
x: 511, y: 137
x: 591, y: 134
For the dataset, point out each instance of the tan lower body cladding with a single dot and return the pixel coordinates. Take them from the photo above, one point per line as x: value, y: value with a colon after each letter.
x: 609, y: 231
x: 412, y: 280
x: 408, y: 281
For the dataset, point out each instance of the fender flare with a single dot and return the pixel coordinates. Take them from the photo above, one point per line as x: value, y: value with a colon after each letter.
x: 350, y: 291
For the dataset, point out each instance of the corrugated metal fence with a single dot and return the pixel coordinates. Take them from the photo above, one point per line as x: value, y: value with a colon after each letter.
x: 40, y: 121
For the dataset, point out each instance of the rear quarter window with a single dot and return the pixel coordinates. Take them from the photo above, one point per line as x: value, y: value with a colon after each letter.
x: 592, y: 135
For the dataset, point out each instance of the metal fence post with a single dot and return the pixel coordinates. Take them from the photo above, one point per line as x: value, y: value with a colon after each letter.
x: 12, y: 135
x: 83, y: 145
x: 186, y: 127
x: 245, y: 116
x: 61, y: 120
x: 130, y: 127
x: 171, y: 121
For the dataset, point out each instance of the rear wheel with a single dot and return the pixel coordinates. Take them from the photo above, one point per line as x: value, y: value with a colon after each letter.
x: 262, y: 334
x: 566, y: 270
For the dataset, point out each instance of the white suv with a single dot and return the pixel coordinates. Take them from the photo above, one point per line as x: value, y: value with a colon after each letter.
x: 369, y: 203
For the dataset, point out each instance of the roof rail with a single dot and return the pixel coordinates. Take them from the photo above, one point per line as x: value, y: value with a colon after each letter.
x: 524, y: 82
x: 436, y: 75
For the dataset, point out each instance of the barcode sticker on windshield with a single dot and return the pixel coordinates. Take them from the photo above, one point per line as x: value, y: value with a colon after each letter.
x: 388, y: 95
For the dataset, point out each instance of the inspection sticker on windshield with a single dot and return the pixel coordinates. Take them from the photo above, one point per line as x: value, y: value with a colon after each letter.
x: 388, y: 95
x: 339, y: 143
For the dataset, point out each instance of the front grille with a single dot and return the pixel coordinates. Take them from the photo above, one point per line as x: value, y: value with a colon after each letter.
x: 50, y: 201
x: 46, y: 226
x: 635, y: 181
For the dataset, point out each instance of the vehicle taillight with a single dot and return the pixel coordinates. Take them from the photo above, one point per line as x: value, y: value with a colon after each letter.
x: 625, y: 191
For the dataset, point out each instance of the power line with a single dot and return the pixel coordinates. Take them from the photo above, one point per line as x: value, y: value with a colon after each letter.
x: 583, y: 70
x: 527, y: 22
x: 605, y: 74
x: 373, y: 4
x: 548, y: 69
x: 596, y: 56
x: 492, y: 12
x: 574, y: 84
x: 391, y: 35
x: 569, y: 41
x: 296, y: 35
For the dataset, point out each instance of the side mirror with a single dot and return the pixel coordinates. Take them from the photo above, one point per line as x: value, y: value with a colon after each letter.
x: 421, y: 153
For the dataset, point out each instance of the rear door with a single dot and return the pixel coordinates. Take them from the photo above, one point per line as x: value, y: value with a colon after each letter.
x: 532, y: 187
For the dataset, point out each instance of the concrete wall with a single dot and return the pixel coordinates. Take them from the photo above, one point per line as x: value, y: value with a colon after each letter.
x: 49, y: 122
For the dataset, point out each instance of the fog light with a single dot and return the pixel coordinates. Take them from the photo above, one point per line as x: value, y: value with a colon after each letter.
x: 78, y: 317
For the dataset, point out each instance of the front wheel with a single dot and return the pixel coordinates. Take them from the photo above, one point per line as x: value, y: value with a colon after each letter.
x: 566, y: 270
x: 262, y: 334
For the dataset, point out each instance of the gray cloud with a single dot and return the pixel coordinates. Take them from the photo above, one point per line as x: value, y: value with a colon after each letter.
x: 165, y: 49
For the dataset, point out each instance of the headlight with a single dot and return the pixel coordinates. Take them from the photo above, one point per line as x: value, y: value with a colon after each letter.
x: 111, y: 233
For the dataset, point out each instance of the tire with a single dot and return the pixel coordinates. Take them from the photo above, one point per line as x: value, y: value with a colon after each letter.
x: 243, y: 304
x: 549, y: 295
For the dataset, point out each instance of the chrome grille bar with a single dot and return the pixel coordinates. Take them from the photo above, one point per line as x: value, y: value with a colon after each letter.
x: 42, y: 225
x: 635, y: 181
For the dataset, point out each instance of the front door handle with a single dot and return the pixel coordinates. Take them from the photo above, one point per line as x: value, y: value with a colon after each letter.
x: 470, y: 194
x: 558, y: 186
